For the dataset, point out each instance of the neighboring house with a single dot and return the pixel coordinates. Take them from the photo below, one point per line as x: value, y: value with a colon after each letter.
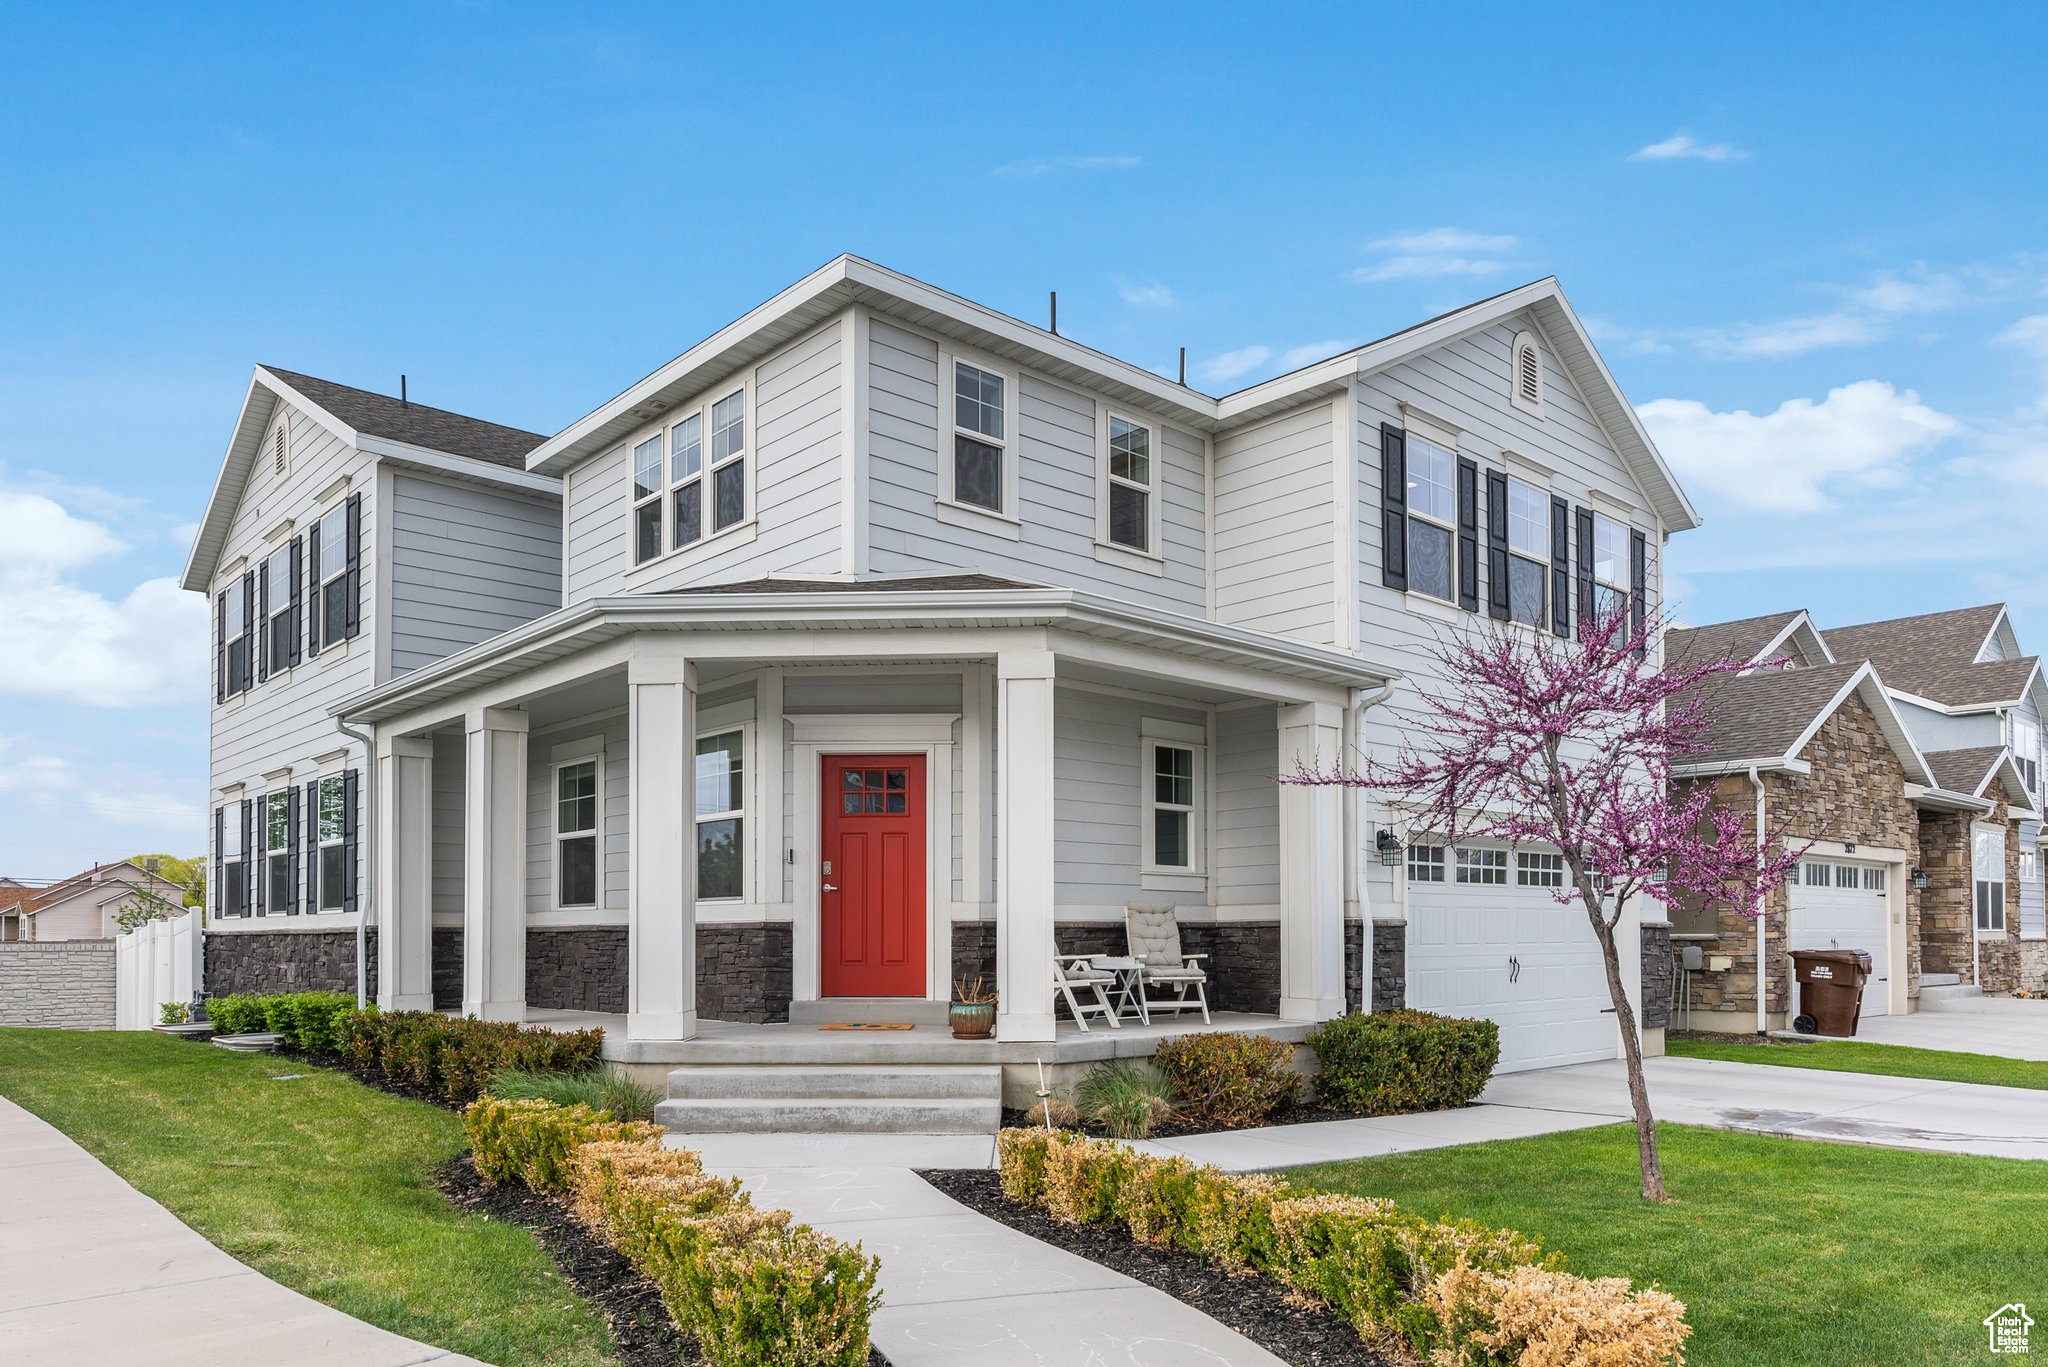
x: 899, y: 640
x: 350, y: 537
x: 1815, y: 738
x: 83, y: 906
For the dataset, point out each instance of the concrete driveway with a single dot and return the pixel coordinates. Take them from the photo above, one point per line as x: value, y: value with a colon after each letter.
x: 2005, y: 1026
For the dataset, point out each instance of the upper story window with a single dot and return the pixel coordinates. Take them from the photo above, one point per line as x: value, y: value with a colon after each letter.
x: 330, y: 577
x: 576, y: 834
x: 1525, y: 381
x: 980, y: 424
x: 238, y: 648
x: 1432, y: 518
x: 696, y: 470
x: 721, y: 816
x: 280, y: 625
x: 1528, y: 552
x: 1610, y: 565
x: 2026, y: 750
x: 1130, y: 484
x: 1987, y: 875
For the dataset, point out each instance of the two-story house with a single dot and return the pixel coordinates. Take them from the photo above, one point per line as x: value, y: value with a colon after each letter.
x: 1917, y: 805
x: 350, y: 537
x: 900, y: 640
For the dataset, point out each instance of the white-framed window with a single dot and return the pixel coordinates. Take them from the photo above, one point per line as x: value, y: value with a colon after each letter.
x: 2026, y: 750
x: 1127, y: 490
x: 647, y: 499
x: 330, y: 838
x: 277, y: 853
x: 728, y: 460
x: 1425, y: 863
x: 1432, y: 519
x: 1525, y: 379
x: 577, y: 802
x: 1847, y: 876
x: 686, y: 481
x: 330, y: 575
x: 980, y: 472
x: 1874, y: 878
x: 1534, y: 869
x: 1815, y: 874
x: 1479, y: 864
x: 1610, y: 565
x: 280, y: 626
x: 721, y: 816
x: 1528, y: 552
x: 234, y: 869
x: 1174, y: 769
x: 240, y: 649
x: 1987, y: 877
x: 692, y: 476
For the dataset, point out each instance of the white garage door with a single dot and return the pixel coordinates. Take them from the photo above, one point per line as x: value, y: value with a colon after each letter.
x: 1506, y: 951
x: 1840, y: 904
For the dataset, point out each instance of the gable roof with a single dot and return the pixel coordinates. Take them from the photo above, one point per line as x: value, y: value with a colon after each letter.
x: 1748, y: 639
x: 1769, y: 716
x: 1934, y: 655
x: 377, y: 423
x: 850, y: 280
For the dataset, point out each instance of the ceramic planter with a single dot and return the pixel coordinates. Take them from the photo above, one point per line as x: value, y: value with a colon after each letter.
x: 972, y: 1021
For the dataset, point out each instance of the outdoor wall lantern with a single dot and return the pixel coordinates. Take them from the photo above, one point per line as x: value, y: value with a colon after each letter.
x: 1919, y: 877
x: 1389, y: 846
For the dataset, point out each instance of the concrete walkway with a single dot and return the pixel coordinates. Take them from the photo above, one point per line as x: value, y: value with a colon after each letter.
x: 958, y: 1287
x: 93, y: 1271
x: 2006, y: 1027
x: 1853, y: 1108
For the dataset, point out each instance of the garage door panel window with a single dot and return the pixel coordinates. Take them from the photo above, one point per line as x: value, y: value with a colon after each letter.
x: 1482, y: 867
x: 1425, y: 863
x: 1538, y: 870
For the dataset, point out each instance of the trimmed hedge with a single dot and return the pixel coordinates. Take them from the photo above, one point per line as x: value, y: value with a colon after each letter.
x: 455, y: 1058
x: 1395, y: 1061
x: 752, y: 1287
x: 306, y: 1020
x: 1229, y: 1079
x: 1458, y: 1294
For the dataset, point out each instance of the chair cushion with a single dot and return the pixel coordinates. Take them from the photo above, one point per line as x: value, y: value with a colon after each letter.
x: 1153, y: 934
x: 1175, y: 975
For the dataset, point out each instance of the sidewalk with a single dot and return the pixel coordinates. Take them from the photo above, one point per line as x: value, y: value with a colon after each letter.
x: 93, y: 1271
x: 958, y: 1287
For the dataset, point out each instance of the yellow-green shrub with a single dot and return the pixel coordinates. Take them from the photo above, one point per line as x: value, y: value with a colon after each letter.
x: 1542, y: 1317
x: 530, y: 1141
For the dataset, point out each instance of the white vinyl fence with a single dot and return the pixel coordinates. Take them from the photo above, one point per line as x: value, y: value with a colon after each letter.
x: 157, y: 962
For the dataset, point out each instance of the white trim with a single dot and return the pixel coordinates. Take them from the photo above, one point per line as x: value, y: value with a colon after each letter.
x: 1432, y: 428
x: 928, y: 734
x: 589, y: 750
x: 949, y: 429
x: 468, y: 469
x: 744, y: 383
x: 1154, y: 732
x: 856, y: 407
x: 1106, y: 417
x: 747, y: 813
x: 977, y: 519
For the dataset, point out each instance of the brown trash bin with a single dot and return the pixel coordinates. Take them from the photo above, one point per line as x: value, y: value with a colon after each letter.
x: 1830, y: 990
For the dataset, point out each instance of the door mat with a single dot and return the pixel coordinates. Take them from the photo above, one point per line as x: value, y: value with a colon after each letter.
x: 868, y: 1025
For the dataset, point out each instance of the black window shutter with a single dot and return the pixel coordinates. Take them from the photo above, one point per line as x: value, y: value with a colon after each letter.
x: 351, y: 839
x: 313, y: 590
x: 1638, y: 581
x: 1497, y: 545
x: 1560, y: 566
x: 298, y: 596
x: 353, y: 608
x: 259, y: 865
x: 291, y: 852
x: 220, y: 845
x: 220, y: 647
x: 248, y: 626
x: 1393, y: 506
x: 1468, y: 534
x: 248, y: 856
x: 263, y: 625
x: 312, y: 893
x: 1585, y: 520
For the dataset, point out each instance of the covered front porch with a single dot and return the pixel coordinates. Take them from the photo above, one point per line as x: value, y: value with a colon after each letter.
x: 694, y: 816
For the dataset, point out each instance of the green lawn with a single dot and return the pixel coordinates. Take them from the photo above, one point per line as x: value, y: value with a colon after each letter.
x: 1787, y: 1253
x: 317, y: 1181
x: 1861, y: 1056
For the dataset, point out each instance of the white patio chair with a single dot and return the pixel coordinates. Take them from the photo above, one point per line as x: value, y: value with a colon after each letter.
x: 1076, y: 978
x: 1152, y: 935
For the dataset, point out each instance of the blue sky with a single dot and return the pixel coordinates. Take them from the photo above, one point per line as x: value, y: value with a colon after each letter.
x: 1813, y: 246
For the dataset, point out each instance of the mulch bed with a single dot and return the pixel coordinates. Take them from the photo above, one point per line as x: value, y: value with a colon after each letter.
x: 1175, y: 1129
x: 1287, y: 1325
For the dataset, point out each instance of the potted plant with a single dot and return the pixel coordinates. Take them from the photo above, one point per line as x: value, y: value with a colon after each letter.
x: 973, y: 1013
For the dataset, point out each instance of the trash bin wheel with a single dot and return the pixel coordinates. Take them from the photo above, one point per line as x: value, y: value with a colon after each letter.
x: 1805, y: 1024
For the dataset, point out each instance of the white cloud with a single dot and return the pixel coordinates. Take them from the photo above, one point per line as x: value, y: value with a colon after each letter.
x: 1045, y: 166
x: 1141, y: 296
x: 1789, y: 337
x: 1888, y: 294
x: 1232, y: 364
x: 1435, y: 254
x: 1685, y: 147
x: 1296, y: 357
x: 40, y: 534
x: 130, y: 799
x: 1782, y: 462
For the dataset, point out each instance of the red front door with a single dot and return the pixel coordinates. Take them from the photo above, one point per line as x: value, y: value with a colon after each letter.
x: 872, y: 876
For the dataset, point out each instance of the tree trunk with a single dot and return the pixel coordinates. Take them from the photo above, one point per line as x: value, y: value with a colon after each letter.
x: 1632, y: 1052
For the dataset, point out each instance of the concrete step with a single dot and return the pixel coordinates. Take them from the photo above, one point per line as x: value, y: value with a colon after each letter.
x: 1949, y: 997
x: 900, y: 1083
x: 1940, y: 979
x: 831, y: 1115
x: 868, y: 1011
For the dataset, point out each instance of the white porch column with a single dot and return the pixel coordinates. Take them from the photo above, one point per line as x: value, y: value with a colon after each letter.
x: 1025, y: 882
x: 661, y: 916
x: 494, y: 866
x: 404, y: 873
x: 1311, y: 867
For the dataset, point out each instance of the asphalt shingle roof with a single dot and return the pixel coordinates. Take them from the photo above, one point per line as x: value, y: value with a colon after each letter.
x: 1961, y: 771
x: 1761, y: 715
x: 1934, y: 655
x: 380, y: 415
x: 1739, y: 640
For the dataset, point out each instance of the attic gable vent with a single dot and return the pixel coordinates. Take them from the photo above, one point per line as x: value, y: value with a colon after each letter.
x: 1526, y: 384
x: 280, y: 446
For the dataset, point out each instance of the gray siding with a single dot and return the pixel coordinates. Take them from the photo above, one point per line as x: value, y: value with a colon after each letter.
x: 467, y: 562
x: 450, y: 761
x: 1246, y: 857
x: 1055, y: 452
x: 613, y: 815
x: 1098, y: 798
x: 1276, y: 527
x: 596, y: 550
x: 1933, y: 730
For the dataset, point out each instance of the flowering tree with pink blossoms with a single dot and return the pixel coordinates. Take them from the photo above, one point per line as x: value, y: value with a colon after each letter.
x: 1570, y: 744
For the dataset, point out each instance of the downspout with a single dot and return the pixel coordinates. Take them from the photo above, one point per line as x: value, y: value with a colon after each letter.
x: 1763, y: 1021
x: 1357, y: 890
x: 368, y: 789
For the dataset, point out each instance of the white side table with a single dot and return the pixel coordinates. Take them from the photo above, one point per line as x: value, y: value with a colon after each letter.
x: 1129, y: 993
